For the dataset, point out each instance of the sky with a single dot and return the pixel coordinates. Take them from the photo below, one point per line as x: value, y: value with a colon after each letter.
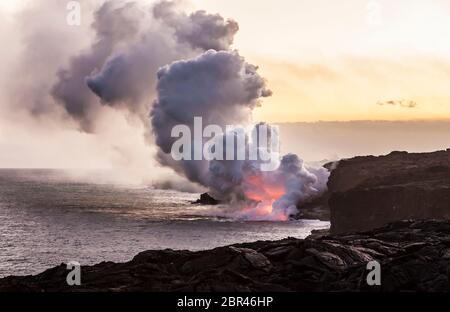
x: 338, y: 60
x: 334, y: 61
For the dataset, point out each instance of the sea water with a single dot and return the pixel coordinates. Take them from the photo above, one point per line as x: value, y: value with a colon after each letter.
x: 47, y: 219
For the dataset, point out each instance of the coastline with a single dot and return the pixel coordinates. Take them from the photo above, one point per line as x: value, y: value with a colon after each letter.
x: 414, y: 255
x: 412, y: 246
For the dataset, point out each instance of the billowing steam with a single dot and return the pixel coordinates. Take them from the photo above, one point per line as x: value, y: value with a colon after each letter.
x: 199, y: 30
x: 223, y: 89
x: 157, y: 67
x: 127, y: 78
x: 218, y: 86
x: 116, y: 25
x: 276, y: 194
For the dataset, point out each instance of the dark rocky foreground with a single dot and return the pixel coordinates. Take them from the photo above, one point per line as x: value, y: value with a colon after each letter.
x: 369, y: 192
x: 316, y: 209
x: 414, y: 256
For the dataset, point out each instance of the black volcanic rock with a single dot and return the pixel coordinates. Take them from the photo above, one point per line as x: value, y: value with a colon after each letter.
x: 414, y: 256
x: 316, y: 209
x: 369, y: 192
x: 206, y: 199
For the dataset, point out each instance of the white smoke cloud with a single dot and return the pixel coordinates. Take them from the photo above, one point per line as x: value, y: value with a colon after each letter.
x: 199, y: 29
x: 223, y: 89
x: 101, y: 81
x: 218, y: 86
x: 128, y: 77
x: 115, y: 24
x: 45, y: 100
x: 277, y: 194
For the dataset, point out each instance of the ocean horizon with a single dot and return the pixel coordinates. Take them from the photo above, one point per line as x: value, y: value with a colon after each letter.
x: 47, y: 219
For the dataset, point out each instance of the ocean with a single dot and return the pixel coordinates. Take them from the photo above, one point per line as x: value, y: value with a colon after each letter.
x: 48, y: 218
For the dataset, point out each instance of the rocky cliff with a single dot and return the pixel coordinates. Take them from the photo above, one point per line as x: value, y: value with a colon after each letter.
x: 414, y: 256
x: 368, y: 192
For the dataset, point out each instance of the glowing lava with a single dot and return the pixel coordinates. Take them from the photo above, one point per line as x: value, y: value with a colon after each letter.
x: 263, y: 191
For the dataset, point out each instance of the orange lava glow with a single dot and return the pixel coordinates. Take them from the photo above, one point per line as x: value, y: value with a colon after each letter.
x: 264, y: 193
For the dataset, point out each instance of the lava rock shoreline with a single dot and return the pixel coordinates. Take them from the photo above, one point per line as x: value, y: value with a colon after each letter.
x: 364, y: 194
x: 414, y: 256
x: 369, y: 192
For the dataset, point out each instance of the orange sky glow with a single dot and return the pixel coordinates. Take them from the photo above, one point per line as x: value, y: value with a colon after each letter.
x: 335, y: 60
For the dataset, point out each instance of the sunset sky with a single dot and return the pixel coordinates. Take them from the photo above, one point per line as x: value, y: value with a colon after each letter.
x: 324, y: 60
x: 334, y: 60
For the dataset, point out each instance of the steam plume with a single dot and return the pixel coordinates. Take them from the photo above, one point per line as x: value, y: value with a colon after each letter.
x: 224, y: 89
x: 159, y: 61
x: 199, y: 29
x: 114, y: 25
x: 128, y: 77
x: 218, y: 85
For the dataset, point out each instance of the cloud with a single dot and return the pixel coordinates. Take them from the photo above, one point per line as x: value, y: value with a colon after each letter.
x: 90, y: 90
x: 115, y: 24
x: 400, y: 103
x: 221, y: 87
x: 199, y: 29
x: 127, y: 79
